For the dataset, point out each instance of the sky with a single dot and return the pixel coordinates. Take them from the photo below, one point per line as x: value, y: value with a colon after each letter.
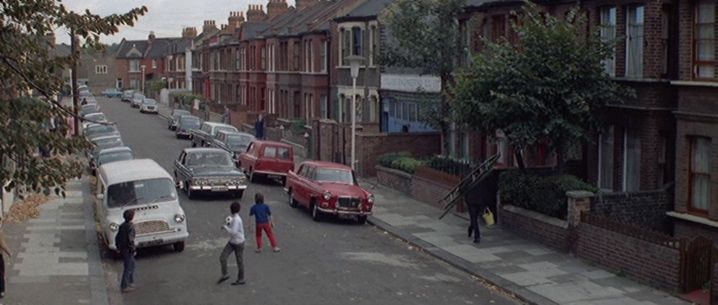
x: 166, y: 18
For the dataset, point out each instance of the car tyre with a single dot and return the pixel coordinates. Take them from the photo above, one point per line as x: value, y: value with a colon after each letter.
x: 238, y: 194
x: 178, y: 136
x: 316, y: 214
x: 190, y: 193
x: 178, y: 246
x: 292, y: 202
x: 194, y: 144
x: 361, y: 219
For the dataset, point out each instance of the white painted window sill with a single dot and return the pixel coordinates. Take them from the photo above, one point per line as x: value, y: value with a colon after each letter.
x: 693, y: 218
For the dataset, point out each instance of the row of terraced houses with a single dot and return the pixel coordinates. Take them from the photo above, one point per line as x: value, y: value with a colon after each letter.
x: 290, y: 63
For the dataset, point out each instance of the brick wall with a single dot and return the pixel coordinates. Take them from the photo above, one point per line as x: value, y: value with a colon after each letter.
x: 552, y: 232
x: 645, y: 208
x: 372, y: 145
x: 394, y: 179
x: 714, y: 279
x: 429, y: 185
x: 650, y: 263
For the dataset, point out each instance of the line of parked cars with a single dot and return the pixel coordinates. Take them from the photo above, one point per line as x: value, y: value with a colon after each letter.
x: 140, y: 101
x: 223, y: 159
x: 125, y: 183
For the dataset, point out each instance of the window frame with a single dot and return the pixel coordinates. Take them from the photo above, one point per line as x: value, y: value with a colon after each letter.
x: 629, y: 8
x: 691, y: 209
x: 611, y: 12
x: 695, y: 63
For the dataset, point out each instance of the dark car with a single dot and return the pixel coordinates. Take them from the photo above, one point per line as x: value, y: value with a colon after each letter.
x: 186, y: 125
x: 209, y: 170
x: 109, y: 155
x: 173, y: 119
x: 233, y: 142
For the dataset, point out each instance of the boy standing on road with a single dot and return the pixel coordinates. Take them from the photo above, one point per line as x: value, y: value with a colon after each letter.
x: 125, y: 243
x: 235, y: 228
x: 263, y: 221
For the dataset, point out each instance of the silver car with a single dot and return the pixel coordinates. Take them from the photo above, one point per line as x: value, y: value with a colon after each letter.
x: 137, y: 99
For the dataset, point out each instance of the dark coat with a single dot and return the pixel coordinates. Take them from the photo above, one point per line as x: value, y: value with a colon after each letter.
x: 125, y: 239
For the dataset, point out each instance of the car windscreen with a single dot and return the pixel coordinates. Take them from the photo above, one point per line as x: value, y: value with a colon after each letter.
x: 100, y: 129
x: 140, y: 192
x: 149, y: 102
x: 107, y: 143
x: 97, y: 117
x: 113, y: 157
x: 277, y: 152
x: 334, y: 175
x: 209, y: 159
x: 237, y: 143
x: 189, y: 123
x: 179, y: 113
x: 224, y: 128
x: 87, y: 109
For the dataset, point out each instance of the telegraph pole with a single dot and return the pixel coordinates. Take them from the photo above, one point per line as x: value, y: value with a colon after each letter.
x: 73, y: 79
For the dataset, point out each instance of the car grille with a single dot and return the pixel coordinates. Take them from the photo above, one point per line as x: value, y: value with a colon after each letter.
x: 349, y: 203
x: 149, y: 227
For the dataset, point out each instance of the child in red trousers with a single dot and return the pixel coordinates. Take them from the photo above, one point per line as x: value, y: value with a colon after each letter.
x: 263, y: 222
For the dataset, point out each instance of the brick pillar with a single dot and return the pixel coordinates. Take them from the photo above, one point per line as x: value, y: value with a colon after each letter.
x: 578, y: 202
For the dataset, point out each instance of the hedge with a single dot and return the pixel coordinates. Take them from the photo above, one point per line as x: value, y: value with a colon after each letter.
x: 402, y: 161
x: 543, y: 194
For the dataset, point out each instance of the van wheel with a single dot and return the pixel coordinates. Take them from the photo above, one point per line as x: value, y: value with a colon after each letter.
x: 292, y: 202
x: 190, y: 193
x: 238, y: 194
x: 316, y: 214
x: 179, y: 246
x: 361, y: 219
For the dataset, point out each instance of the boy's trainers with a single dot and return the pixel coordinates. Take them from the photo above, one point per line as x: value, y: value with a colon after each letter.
x: 276, y: 249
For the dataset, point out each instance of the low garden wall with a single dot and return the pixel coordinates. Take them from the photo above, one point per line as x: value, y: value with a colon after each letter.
x: 394, y: 179
x: 649, y: 257
x: 550, y: 231
x: 430, y: 185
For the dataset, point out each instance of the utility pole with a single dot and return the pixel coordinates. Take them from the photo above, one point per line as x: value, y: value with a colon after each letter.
x: 73, y: 79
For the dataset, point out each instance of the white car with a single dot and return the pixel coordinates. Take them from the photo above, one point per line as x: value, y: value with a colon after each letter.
x: 144, y: 186
x: 92, y: 118
x: 149, y: 106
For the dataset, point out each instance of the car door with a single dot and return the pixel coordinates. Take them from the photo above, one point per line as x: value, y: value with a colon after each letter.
x: 305, y: 184
x: 300, y: 185
x: 181, y: 171
x: 247, y: 158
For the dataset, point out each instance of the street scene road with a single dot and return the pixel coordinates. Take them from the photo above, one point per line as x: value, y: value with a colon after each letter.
x: 330, y: 262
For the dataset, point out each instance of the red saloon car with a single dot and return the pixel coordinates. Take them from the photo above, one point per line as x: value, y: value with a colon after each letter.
x: 267, y: 158
x: 328, y: 188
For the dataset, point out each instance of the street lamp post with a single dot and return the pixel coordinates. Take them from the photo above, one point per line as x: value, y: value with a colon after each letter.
x: 354, y: 62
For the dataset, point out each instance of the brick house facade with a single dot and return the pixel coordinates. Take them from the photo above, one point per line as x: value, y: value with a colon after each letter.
x: 141, y: 61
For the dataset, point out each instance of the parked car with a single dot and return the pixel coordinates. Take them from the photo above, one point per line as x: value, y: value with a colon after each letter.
x: 327, y: 188
x: 267, y: 158
x: 208, y: 170
x: 233, y: 142
x: 137, y: 99
x: 127, y: 95
x: 173, y: 119
x: 144, y: 186
x: 87, y: 100
x: 89, y: 108
x: 97, y: 130
x: 204, y: 136
x: 149, y: 106
x: 104, y: 142
x: 186, y: 125
x: 109, y: 155
x: 112, y: 92
x: 92, y: 118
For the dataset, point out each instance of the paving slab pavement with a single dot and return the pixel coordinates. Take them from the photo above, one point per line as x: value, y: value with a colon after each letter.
x: 527, y: 269
x: 56, y: 257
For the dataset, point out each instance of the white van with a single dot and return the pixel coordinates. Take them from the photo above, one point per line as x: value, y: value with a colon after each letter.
x: 144, y: 186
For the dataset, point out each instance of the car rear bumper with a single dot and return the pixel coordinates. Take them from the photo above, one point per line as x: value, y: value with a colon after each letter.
x: 217, y: 188
x: 270, y: 173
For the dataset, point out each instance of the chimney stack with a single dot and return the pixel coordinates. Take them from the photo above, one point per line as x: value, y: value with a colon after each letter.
x: 255, y: 13
x: 189, y: 32
x: 235, y: 20
x: 151, y: 37
x: 276, y: 8
x: 208, y: 25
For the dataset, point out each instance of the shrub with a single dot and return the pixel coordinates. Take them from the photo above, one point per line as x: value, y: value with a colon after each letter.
x: 546, y: 195
x: 450, y: 165
x: 402, y: 161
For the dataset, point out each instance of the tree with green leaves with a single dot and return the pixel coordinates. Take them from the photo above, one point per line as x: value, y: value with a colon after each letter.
x: 425, y: 35
x: 31, y: 117
x: 549, y: 86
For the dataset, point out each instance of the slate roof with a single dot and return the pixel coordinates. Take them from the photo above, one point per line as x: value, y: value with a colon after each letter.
x: 252, y: 30
x: 370, y: 8
x: 132, y: 49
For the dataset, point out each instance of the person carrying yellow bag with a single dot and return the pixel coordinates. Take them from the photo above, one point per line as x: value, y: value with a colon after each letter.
x: 478, y: 200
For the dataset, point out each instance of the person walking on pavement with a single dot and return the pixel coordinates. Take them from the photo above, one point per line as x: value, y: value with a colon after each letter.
x: 259, y: 127
x: 125, y: 242
x: 263, y: 222
x: 3, y: 251
x: 234, y: 226
x: 478, y: 200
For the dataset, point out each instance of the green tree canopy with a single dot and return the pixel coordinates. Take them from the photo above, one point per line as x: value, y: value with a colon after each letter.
x: 31, y: 81
x: 425, y: 34
x: 550, y: 86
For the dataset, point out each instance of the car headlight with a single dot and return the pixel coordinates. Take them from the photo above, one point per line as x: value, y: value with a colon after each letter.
x: 114, y: 227
x: 370, y: 199
x: 179, y: 218
x: 327, y: 195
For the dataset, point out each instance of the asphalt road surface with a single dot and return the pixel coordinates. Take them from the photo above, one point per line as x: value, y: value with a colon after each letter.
x: 331, y: 262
